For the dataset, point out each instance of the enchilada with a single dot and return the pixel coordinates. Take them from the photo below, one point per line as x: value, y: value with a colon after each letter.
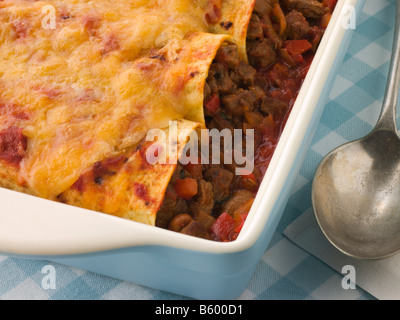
x: 77, y: 101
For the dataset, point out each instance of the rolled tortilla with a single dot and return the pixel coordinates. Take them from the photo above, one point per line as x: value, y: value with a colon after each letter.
x: 95, y: 84
x: 87, y: 92
x: 132, y: 185
x: 233, y: 20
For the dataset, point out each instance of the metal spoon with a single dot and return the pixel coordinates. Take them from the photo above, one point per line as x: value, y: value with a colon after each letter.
x: 356, y: 188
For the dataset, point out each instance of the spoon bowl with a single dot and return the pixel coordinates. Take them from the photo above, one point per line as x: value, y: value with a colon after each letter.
x: 356, y: 196
x: 356, y: 188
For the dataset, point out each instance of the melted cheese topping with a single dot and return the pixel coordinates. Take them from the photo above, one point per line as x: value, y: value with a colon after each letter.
x: 95, y: 84
x: 129, y: 187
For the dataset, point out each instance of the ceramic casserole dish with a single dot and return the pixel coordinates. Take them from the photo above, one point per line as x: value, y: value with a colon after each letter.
x: 35, y: 228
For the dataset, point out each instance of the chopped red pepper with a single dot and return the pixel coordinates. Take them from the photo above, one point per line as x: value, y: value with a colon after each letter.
x: 297, y: 46
x: 13, y: 145
x: 223, y: 228
x: 267, y: 126
x: 297, y: 58
x: 226, y: 228
x: 213, y: 104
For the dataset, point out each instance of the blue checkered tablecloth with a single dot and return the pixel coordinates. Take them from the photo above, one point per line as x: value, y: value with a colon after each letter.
x: 285, y: 271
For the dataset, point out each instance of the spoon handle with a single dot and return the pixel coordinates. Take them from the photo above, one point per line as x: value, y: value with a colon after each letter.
x: 387, y: 118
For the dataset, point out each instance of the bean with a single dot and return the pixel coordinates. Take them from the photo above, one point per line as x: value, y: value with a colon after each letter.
x: 179, y: 222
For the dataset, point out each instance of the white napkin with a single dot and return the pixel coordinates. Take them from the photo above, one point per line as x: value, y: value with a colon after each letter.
x: 380, y: 278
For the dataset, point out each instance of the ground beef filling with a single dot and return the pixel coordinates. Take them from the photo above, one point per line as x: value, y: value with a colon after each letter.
x: 236, y: 97
x: 198, y: 194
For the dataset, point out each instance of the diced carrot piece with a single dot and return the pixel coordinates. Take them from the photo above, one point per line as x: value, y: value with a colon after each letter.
x: 186, y: 188
x: 239, y: 222
x: 297, y: 46
x: 330, y: 4
x: 325, y: 20
x: 244, y: 209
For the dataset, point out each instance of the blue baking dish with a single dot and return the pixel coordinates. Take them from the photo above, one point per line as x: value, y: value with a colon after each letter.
x: 35, y: 228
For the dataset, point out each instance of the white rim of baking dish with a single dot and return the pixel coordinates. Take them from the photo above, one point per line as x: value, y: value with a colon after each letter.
x: 39, y: 227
